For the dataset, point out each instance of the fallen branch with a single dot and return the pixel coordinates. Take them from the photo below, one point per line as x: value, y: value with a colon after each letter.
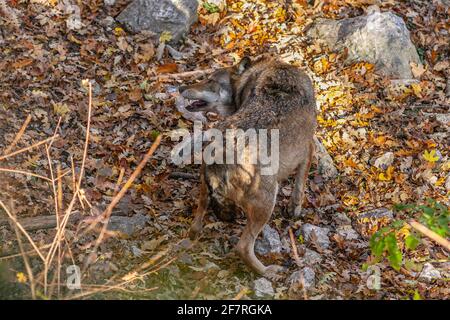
x: 430, y: 234
x: 36, y: 223
x: 22, y: 229
x: 188, y: 74
x: 182, y: 175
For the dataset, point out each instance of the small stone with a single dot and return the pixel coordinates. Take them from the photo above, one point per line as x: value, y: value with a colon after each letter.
x: 365, y: 221
x: 326, y: 165
x: 306, y: 277
x: 107, y: 22
x: 429, y: 273
x: 342, y: 219
x: 109, y: 3
x: 378, y: 213
x: 311, y: 257
x: 347, y: 232
x: 127, y: 225
x: 263, y: 288
x: 270, y: 242
x: 136, y: 251
x: 321, y: 233
x: 384, y: 161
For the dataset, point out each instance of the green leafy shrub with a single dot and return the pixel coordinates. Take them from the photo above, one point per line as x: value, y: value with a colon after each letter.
x: 392, y: 240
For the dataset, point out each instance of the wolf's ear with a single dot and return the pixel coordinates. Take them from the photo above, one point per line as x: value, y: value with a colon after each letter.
x: 243, y: 65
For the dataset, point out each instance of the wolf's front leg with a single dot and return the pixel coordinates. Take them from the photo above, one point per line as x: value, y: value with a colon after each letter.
x: 200, y: 212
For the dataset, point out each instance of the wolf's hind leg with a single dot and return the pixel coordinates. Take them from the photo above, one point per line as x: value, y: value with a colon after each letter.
x: 258, y: 212
x: 295, y: 204
x: 200, y: 212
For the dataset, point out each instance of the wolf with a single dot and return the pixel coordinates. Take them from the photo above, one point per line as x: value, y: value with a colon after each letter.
x: 263, y: 93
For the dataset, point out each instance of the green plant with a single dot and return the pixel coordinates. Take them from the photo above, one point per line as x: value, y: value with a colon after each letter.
x: 434, y: 215
x: 211, y: 7
x: 393, y: 240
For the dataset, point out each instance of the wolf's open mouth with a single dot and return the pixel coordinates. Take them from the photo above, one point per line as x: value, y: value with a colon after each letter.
x: 196, y: 104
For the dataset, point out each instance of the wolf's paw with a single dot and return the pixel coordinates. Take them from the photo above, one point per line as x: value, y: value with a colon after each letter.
x: 193, y: 233
x: 274, y: 272
x: 291, y: 211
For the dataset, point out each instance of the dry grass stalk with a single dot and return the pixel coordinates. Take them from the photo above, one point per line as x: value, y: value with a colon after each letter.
x: 27, y: 148
x: 18, y: 135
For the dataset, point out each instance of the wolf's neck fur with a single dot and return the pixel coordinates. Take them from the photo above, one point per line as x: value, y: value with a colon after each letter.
x: 244, y: 86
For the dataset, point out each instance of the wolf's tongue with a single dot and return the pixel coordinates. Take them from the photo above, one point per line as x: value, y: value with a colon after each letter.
x: 196, y: 104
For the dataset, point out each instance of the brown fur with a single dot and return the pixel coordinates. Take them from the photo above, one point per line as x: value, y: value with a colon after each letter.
x: 265, y: 94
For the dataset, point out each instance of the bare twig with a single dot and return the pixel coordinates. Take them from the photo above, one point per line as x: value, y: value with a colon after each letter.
x: 27, y: 263
x: 294, y: 248
x: 27, y: 148
x: 25, y: 173
x: 18, y: 135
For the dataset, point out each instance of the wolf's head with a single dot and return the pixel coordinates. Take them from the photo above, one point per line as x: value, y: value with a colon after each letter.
x: 216, y: 93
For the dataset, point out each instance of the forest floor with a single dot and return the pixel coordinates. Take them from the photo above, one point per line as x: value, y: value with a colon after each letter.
x: 135, y: 81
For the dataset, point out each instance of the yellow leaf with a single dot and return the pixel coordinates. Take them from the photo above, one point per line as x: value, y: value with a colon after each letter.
x: 440, y: 182
x: 119, y: 31
x: 445, y: 166
x: 165, y: 36
x: 60, y: 108
x: 417, y: 89
x: 21, y: 278
x: 431, y: 156
x: 386, y: 176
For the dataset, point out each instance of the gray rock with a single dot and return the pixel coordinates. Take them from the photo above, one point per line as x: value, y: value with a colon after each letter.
x: 308, y: 230
x: 107, y: 22
x: 347, y: 232
x: 384, y: 161
x: 311, y: 257
x: 158, y: 16
x: 342, y: 218
x: 325, y: 163
x: 263, y: 288
x: 109, y: 2
x: 136, y: 251
x: 365, y: 220
x: 429, y: 273
x: 381, y: 38
x: 127, y: 225
x: 378, y: 213
x: 270, y: 242
x: 306, y: 277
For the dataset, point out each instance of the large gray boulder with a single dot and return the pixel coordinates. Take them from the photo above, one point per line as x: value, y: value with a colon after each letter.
x: 158, y: 16
x: 381, y: 38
